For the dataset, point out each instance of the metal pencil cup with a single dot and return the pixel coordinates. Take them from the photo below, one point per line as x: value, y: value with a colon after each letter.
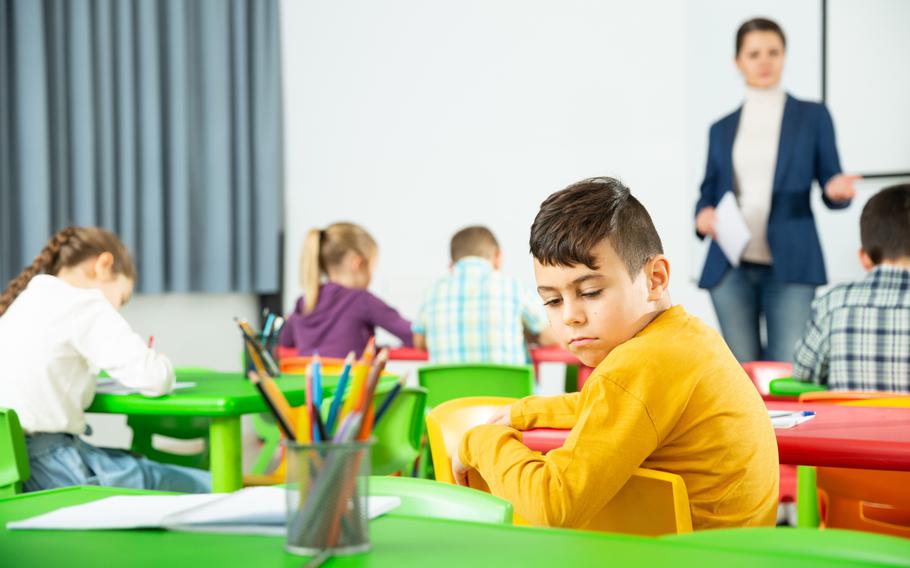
x: 327, y: 498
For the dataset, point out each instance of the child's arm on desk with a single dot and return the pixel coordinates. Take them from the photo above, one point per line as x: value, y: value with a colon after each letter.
x: 567, y: 487
x: 105, y: 339
x: 560, y: 411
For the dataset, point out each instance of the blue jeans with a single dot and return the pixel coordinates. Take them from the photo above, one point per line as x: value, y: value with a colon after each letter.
x: 59, y: 460
x: 750, y: 292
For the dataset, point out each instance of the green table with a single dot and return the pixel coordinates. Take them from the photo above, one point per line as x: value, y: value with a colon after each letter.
x: 398, y: 541
x: 224, y: 397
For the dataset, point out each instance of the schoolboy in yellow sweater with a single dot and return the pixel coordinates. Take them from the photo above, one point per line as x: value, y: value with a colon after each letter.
x: 666, y: 394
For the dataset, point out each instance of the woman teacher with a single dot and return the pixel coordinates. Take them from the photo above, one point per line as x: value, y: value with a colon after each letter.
x: 768, y: 152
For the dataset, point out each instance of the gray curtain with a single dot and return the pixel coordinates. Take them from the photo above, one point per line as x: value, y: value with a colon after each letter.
x: 159, y: 120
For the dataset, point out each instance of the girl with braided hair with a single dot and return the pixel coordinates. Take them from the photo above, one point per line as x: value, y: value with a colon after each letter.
x: 59, y: 324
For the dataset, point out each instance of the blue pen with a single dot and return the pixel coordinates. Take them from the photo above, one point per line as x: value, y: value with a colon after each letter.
x: 339, y: 393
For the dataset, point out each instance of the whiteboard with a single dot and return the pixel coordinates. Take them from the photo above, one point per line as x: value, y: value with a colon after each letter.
x: 868, y: 83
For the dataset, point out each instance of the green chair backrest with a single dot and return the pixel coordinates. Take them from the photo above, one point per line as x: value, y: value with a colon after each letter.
x: 791, y: 387
x: 450, y: 381
x: 179, y: 427
x: 14, y: 470
x: 433, y: 499
x: 813, y: 544
x: 399, y: 432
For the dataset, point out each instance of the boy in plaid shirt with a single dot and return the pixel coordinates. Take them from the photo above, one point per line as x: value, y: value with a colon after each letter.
x: 859, y: 335
x: 476, y: 314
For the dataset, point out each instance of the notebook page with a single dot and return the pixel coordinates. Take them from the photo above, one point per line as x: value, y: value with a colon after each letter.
x: 119, y: 512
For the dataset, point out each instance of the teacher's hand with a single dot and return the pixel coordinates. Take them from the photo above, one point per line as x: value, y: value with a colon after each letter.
x: 840, y: 187
x: 704, y: 222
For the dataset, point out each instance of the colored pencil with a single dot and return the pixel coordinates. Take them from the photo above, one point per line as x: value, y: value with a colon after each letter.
x: 339, y: 393
x: 366, y: 406
x: 269, y: 362
x: 369, y: 351
x: 278, y: 398
x: 321, y: 434
x: 387, y: 401
x: 282, y: 421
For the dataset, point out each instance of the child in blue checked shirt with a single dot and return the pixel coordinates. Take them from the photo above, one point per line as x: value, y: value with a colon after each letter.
x: 476, y: 313
x: 859, y: 334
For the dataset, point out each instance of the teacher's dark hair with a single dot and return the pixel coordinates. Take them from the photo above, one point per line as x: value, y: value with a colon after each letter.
x: 758, y: 25
x: 571, y: 222
x: 884, y: 226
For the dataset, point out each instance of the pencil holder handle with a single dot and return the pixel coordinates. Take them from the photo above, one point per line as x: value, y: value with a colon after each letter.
x: 327, y: 498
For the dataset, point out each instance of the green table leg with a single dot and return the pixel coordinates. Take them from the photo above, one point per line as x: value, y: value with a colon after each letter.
x: 225, y: 454
x: 806, y: 497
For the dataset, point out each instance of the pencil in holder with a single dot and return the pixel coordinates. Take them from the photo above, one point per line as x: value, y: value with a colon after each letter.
x: 327, y: 497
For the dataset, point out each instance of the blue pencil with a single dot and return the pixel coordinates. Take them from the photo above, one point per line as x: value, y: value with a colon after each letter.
x: 317, y: 391
x: 388, y: 400
x: 339, y: 393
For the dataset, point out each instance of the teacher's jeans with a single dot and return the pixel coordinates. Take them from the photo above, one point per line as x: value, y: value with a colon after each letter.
x: 748, y: 293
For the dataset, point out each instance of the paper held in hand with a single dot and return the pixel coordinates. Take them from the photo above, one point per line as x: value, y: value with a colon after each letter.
x: 730, y: 230
x: 254, y: 510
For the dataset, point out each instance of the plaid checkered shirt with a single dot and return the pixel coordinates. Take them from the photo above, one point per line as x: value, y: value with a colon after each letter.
x: 859, y: 335
x: 477, y: 314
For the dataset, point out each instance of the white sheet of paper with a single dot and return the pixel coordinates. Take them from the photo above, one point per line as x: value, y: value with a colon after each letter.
x: 119, y: 512
x: 731, y: 233
x: 110, y: 386
x: 783, y: 419
x: 254, y: 510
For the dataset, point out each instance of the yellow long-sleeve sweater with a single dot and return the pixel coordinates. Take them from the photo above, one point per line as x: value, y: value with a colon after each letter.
x: 672, y: 398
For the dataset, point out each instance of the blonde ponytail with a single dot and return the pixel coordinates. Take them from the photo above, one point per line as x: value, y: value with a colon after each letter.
x: 70, y: 247
x: 324, y: 249
x: 310, y: 269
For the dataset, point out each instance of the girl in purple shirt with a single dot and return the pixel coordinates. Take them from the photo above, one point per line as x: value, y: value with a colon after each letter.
x: 339, y: 315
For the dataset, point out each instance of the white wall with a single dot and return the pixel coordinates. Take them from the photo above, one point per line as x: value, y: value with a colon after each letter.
x: 194, y: 330
x: 869, y: 82
x: 415, y: 119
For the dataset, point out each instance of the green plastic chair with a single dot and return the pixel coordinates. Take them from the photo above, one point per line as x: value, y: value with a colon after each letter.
x: 814, y: 545
x: 267, y: 431
x: 14, y: 470
x: 399, y: 433
x: 789, y: 386
x: 450, y: 381
x: 432, y: 499
x: 179, y: 427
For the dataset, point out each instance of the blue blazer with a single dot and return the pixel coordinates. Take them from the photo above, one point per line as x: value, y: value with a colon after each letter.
x: 806, y: 152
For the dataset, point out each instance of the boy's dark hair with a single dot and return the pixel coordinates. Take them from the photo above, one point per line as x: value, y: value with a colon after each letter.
x: 573, y: 221
x: 473, y: 241
x: 758, y: 25
x: 884, y: 225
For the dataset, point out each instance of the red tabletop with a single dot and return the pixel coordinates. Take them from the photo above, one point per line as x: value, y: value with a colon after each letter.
x: 553, y: 355
x: 408, y: 354
x: 397, y: 354
x: 559, y: 355
x: 838, y: 436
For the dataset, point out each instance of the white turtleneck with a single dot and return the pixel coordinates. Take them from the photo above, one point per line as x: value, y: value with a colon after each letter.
x: 754, y: 163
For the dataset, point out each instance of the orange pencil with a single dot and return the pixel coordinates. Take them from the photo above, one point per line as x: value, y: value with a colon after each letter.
x: 369, y: 351
x: 367, y: 406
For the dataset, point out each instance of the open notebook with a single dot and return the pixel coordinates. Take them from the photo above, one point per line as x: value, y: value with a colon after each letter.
x: 254, y: 510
